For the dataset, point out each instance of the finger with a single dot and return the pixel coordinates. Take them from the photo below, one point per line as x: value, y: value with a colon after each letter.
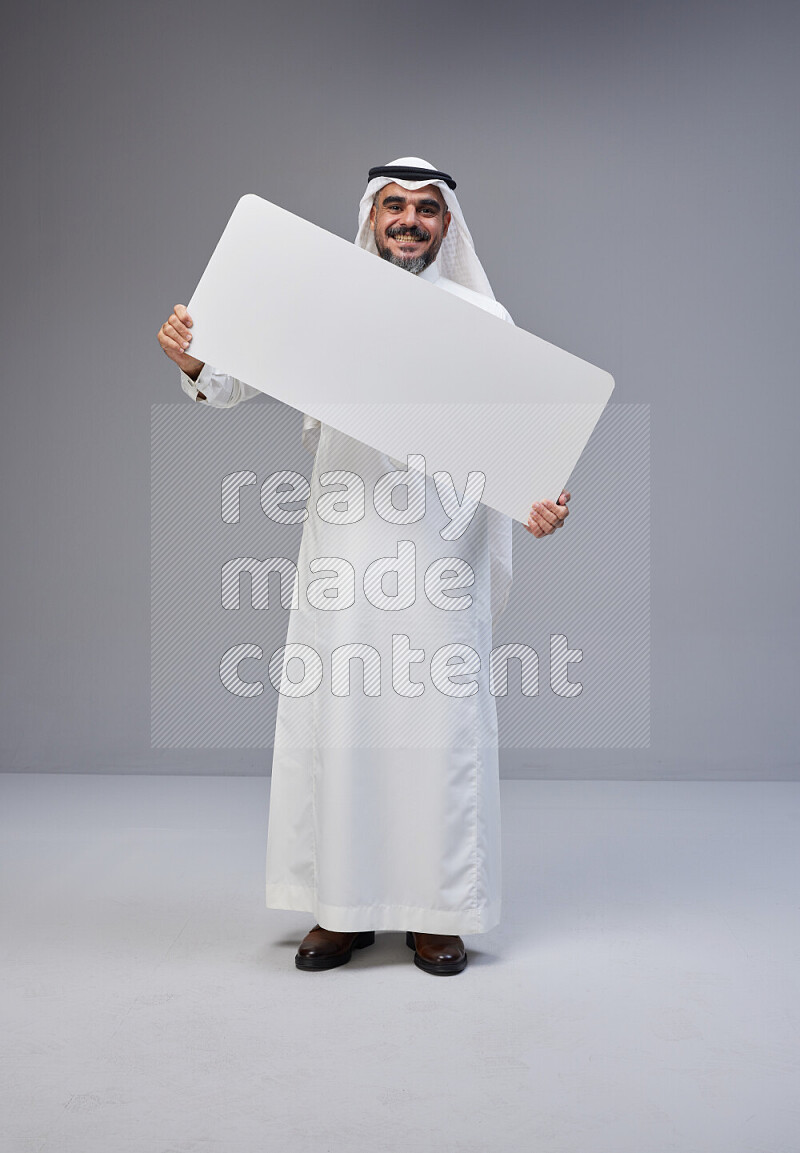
x: 542, y: 523
x: 182, y: 332
x: 170, y: 346
x: 183, y: 316
x: 544, y: 510
x: 533, y: 528
x: 564, y: 497
x: 559, y: 511
x: 178, y: 332
x: 562, y: 512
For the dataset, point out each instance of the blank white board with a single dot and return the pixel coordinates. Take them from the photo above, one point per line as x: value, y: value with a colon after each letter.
x: 392, y: 360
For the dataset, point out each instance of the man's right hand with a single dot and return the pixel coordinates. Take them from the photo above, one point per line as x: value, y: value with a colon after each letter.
x: 174, y: 337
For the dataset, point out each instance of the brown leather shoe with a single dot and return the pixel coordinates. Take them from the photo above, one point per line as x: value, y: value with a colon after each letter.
x: 325, y: 948
x: 437, y: 952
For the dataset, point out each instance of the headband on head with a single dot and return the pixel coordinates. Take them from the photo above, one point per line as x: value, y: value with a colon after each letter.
x: 406, y: 173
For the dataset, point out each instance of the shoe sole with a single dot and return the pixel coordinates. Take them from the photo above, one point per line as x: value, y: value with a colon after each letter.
x: 315, y: 964
x: 443, y: 969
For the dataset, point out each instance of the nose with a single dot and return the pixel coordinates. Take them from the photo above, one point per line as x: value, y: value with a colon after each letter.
x: 409, y: 215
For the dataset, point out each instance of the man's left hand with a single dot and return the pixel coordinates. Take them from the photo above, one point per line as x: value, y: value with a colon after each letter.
x: 546, y: 515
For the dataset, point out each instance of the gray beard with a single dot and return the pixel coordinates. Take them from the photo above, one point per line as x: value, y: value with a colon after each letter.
x: 413, y: 264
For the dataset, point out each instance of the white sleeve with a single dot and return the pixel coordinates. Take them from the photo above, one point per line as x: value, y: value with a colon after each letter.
x: 219, y: 389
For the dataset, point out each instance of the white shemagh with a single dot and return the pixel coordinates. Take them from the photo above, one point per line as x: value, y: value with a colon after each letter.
x: 457, y: 259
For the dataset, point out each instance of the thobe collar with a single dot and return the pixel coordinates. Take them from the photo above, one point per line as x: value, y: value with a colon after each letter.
x: 430, y: 273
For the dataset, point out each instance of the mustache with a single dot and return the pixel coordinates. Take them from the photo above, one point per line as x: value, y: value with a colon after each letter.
x: 414, y: 233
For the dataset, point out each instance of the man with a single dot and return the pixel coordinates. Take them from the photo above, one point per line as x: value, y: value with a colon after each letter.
x: 385, y: 805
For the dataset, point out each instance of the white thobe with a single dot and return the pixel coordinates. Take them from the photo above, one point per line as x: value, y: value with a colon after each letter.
x: 385, y: 809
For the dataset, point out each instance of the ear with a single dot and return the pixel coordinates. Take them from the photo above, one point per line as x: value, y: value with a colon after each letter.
x: 447, y: 219
x: 372, y: 215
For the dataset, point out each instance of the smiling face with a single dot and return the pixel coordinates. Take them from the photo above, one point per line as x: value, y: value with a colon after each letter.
x: 409, y: 226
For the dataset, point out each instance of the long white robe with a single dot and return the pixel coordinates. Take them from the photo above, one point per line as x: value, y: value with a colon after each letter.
x: 385, y: 810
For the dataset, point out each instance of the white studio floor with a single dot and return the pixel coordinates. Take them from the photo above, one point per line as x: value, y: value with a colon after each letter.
x: 639, y: 996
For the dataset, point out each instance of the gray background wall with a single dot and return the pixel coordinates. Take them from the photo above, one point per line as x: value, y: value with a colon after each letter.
x: 629, y: 172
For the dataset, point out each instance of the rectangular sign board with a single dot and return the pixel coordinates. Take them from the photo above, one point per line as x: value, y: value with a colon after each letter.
x: 391, y: 360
